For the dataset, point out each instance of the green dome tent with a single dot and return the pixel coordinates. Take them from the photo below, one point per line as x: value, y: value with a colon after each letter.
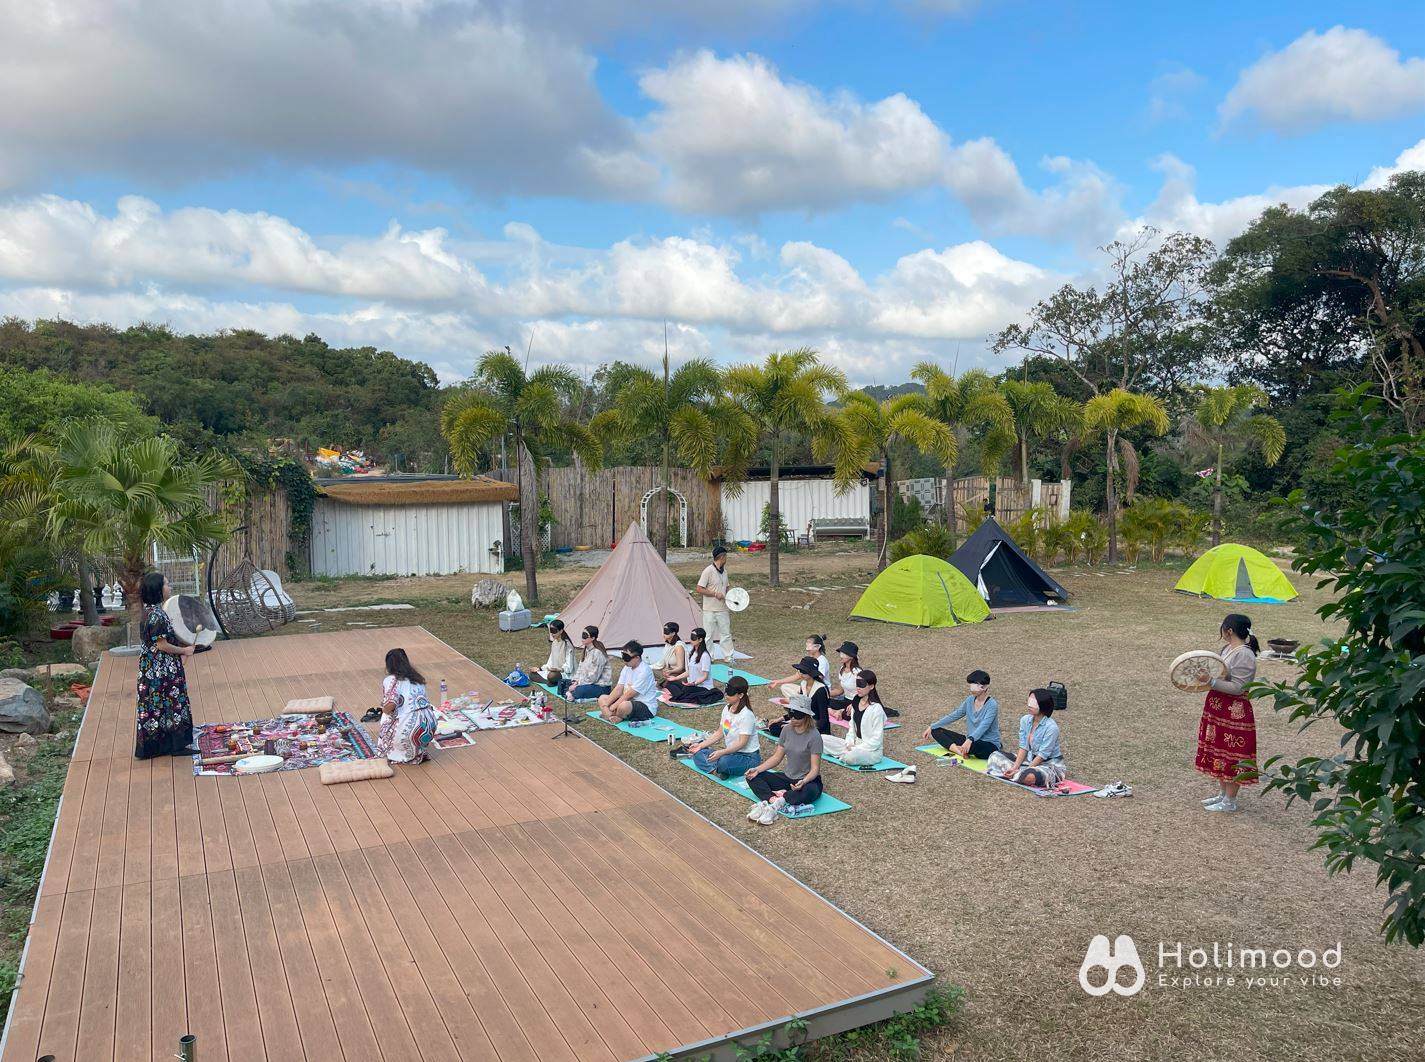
x: 1232, y: 572
x: 922, y: 591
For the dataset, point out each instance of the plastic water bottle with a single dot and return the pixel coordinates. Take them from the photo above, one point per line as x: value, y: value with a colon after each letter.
x: 444, y: 692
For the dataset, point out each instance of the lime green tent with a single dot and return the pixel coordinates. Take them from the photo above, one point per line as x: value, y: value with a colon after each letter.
x: 1232, y: 572
x: 922, y: 591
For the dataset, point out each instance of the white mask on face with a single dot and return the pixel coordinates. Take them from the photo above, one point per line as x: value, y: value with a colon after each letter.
x: 975, y: 687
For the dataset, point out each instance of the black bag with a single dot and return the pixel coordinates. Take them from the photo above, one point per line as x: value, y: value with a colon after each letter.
x: 1061, y: 695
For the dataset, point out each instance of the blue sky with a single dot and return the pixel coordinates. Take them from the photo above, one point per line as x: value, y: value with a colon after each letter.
x: 885, y: 182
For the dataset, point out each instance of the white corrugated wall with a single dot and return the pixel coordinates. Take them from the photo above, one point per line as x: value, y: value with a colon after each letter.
x: 405, y: 539
x: 801, y: 501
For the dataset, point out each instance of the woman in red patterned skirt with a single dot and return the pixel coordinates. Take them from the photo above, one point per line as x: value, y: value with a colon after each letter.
x: 1227, y: 734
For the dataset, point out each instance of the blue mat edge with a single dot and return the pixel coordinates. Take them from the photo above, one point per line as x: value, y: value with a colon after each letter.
x: 725, y: 784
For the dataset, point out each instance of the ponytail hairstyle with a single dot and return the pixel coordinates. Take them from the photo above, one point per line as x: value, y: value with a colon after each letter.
x: 700, y: 643
x: 593, y: 633
x: 670, y: 628
x: 818, y: 640
x: 399, y: 665
x: 1241, y: 626
x: 1045, y: 699
x: 557, y: 627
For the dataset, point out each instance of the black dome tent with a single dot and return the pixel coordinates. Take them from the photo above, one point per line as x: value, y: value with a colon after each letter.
x: 1002, y: 572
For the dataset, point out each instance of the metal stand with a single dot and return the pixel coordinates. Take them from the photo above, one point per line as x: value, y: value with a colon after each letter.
x: 567, y: 731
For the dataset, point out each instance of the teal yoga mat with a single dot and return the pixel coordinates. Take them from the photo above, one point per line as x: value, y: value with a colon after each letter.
x: 885, y: 763
x: 823, y: 805
x: 553, y: 691
x: 721, y: 673
x: 654, y: 729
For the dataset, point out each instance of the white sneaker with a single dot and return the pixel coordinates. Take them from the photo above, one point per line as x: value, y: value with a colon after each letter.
x: 905, y: 776
x: 1214, y: 799
x: 756, y: 812
x: 769, y: 815
x: 777, y: 803
x: 1225, y: 804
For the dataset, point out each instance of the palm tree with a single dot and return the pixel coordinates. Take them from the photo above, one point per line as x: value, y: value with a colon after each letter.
x: 786, y: 393
x: 869, y: 430
x: 1224, y: 421
x: 533, y: 409
x: 970, y: 400
x: 684, y: 413
x: 117, y: 499
x: 1111, y: 414
x: 1039, y: 412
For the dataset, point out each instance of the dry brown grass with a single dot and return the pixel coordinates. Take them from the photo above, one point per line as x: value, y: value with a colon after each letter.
x: 1000, y: 892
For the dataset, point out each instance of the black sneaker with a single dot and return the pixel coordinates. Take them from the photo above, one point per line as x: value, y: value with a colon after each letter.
x: 372, y: 714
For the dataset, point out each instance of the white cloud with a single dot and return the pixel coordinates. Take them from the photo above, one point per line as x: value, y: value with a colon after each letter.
x: 1342, y: 75
x: 1167, y: 93
x: 1412, y: 158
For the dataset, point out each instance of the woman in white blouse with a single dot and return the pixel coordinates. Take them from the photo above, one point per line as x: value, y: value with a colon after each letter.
x: 848, y: 666
x: 864, y: 743
x: 1227, y: 733
x: 696, y: 686
x: 562, y: 660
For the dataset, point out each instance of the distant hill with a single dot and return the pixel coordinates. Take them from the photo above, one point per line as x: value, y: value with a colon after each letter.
x: 881, y: 392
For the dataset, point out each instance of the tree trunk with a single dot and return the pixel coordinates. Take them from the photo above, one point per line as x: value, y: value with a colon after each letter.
x: 529, y: 518
x: 86, y: 593
x: 947, y: 504
x: 774, y: 522
x: 886, y: 508
x: 1112, y: 498
x: 1024, y: 458
x: 131, y: 579
x: 1217, y: 500
x: 667, y: 501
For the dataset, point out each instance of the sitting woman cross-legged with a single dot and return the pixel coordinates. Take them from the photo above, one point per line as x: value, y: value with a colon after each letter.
x: 798, y: 753
x: 809, y: 685
x: 635, y: 698
x: 1039, y: 760
x: 848, y: 657
x: 562, y: 662
x: 674, y: 666
x: 696, y: 686
x: 981, y: 714
x: 863, y: 744
x: 739, y: 752
x: 594, y: 676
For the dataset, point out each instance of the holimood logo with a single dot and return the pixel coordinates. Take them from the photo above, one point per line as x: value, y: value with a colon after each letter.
x: 1111, y: 960
x: 1217, y: 965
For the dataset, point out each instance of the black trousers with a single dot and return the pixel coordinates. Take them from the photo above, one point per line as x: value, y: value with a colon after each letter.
x: 980, y: 749
x: 768, y: 782
x: 686, y: 694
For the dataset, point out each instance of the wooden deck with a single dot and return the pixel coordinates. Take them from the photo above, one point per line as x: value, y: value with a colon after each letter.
x: 520, y: 899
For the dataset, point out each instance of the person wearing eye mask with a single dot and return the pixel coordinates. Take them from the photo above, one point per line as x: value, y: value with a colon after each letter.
x: 635, y: 698
x: 980, y: 711
x: 674, y: 667
x: 864, y: 743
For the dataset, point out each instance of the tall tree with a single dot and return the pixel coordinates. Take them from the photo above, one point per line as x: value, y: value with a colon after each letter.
x: 532, y: 409
x: 682, y: 413
x: 1039, y: 412
x: 1224, y: 421
x: 1142, y: 331
x: 786, y: 394
x: 1110, y: 415
x: 1344, y: 276
x: 868, y: 430
x: 968, y: 401
x: 118, y: 498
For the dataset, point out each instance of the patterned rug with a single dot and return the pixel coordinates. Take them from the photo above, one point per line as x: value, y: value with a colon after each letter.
x: 301, y: 741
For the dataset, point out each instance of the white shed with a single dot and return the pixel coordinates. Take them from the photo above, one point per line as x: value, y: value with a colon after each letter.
x: 410, y: 526
x: 804, y: 494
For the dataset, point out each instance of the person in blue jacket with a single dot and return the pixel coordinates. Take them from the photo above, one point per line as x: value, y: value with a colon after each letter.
x: 980, y: 712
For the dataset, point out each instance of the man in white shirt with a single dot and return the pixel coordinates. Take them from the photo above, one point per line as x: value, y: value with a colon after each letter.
x: 635, y: 698
x: 712, y: 588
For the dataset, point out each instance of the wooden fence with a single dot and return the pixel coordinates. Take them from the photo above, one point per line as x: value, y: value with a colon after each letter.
x: 268, y: 535
x: 1012, y: 498
x: 595, y: 508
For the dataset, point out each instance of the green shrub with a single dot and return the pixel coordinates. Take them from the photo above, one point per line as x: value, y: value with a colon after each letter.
x: 933, y: 540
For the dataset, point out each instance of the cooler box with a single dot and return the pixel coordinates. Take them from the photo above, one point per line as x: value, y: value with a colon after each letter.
x: 514, y: 621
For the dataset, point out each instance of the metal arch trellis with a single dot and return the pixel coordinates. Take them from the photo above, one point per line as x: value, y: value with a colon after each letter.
x: 682, y: 511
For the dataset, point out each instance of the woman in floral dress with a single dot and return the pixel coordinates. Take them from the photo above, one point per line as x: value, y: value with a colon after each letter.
x: 407, y: 718
x: 165, y: 724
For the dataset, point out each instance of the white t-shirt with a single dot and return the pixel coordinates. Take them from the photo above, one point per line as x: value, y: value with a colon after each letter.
x: 825, y: 665
x: 848, y: 682
x: 700, y: 671
x: 638, y: 677
x: 712, y: 579
x: 733, y: 726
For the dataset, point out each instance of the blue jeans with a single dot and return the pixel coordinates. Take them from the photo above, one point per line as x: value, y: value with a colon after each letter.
x: 731, y: 765
x: 588, y: 692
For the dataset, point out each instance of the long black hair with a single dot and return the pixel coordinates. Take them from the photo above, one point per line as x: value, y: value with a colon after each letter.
x: 737, y: 687
x: 399, y: 664
x: 1241, y: 626
x: 700, y: 643
x: 557, y: 627
x: 151, y: 588
x: 819, y: 640
x: 593, y: 633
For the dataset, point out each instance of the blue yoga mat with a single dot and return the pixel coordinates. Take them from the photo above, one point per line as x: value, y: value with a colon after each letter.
x: 822, y: 805
x: 553, y: 691
x: 721, y: 673
x: 1256, y: 600
x: 885, y: 763
x: 654, y: 729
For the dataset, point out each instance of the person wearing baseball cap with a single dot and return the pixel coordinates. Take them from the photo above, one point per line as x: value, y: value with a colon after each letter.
x: 712, y: 588
x: 798, y: 753
x: 809, y: 686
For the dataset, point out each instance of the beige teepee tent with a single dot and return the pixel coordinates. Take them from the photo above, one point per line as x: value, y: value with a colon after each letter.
x: 631, y: 596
